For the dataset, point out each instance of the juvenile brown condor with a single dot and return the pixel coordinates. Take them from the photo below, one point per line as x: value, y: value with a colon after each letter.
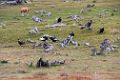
x: 42, y: 63
x: 59, y: 20
x: 101, y: 30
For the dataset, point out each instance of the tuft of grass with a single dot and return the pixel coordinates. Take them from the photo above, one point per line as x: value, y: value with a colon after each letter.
x: 3, y: 61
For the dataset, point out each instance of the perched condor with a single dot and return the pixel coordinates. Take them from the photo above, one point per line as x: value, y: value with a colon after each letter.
x: 53, y: 38
x: 44, y: 38
x: 101, y: 30
x: 59, y: 20
x: 20, y: 42
x: 72, y: 34
x: 42, y: 63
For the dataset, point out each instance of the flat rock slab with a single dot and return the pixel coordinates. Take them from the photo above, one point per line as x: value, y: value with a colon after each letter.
x: 56, y: 25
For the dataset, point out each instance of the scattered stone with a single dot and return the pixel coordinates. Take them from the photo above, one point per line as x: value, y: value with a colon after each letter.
x: 87, y: 8
x: 90, y: 5
x: 69, y: 40
x: 87, y: 44
x: 118, y: 39
x: 48, y: 14
x: 115, y: 31
x: 76, y: 18
x: 43, y: 13
x: 14, y: 2
x: 34, y: 30
x: 94, y: 51
x: 2, y: 25
x: 107, y: 46
x: 28, y: 1
x: 57, y: 63
x: 103, y: 13
x: 48, y: 48
x: 115, y: 10
x: 57, y: 25
x: 34, y: 43
x: 36, y: 19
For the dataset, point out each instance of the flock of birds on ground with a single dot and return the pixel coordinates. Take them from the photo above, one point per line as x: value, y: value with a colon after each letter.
x: 106, y: 45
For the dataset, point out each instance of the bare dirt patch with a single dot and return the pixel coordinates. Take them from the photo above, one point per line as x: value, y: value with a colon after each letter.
x: 83, y: 76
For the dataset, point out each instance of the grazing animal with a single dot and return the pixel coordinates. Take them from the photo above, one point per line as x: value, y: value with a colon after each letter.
x: 101, y: 30
x: 24, y: 11
x: 59, y: 20
x: 20, y: 42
